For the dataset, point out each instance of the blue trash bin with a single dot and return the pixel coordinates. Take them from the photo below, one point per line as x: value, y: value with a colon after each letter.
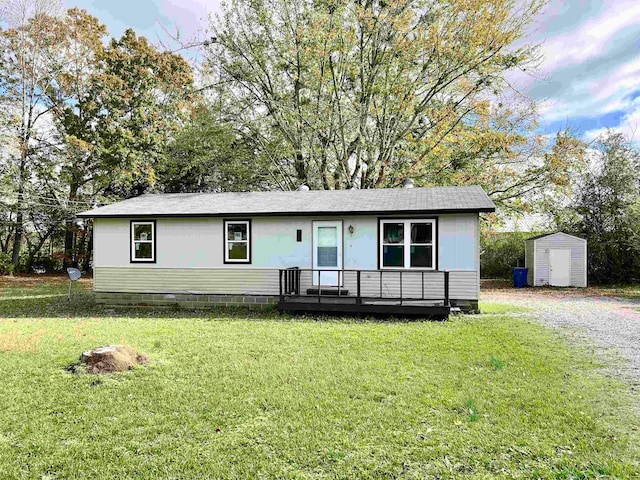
x: 520, y: 277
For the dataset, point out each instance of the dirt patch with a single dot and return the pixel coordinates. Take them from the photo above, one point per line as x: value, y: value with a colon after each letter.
x: 15, y: 341
x: 505, y: 288
x: 111, y: 359
x: 32, y: 281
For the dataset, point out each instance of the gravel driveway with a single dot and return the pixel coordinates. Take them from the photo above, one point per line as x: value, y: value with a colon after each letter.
x: 612, y: 324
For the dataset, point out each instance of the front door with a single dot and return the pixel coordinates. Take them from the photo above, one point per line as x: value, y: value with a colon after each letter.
x: 560, y: 267
x: 327, y: 253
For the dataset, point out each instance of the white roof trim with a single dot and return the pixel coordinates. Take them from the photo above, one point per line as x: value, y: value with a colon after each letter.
x: 558, y: 233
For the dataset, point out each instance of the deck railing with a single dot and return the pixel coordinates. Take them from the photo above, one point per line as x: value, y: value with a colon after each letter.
x: 291, y: 281
x: 291, y: 285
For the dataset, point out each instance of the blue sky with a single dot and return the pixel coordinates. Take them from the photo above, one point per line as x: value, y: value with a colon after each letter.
x: 589, y: 79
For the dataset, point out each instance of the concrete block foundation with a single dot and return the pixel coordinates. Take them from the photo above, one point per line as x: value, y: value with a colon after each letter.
x: 183, y: 300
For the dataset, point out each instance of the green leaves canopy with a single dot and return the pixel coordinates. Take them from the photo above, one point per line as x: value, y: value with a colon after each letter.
x: 363, y: 93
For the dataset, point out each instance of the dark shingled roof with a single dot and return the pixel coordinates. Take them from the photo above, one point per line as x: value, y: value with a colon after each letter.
x: 317, y: 202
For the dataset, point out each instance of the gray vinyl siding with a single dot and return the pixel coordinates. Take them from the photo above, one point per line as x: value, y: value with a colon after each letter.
x: 199, y: 242
x: 245, y: 281
x: 539, y: 274
x: 189, y: 257
x: 192, y: 280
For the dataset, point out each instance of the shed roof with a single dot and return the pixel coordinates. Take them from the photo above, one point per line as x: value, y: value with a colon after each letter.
x: 550, y: 234
x: 325, y: 202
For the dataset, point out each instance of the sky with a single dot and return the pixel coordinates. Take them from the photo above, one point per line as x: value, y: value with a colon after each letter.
x: 589, y: 79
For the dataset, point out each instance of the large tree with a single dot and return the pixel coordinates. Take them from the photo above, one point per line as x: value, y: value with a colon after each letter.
x: 210, y: 154
x: 29, y: 64
x: 605, y: 209
x: 123, y: 113
x: 364, y: 93
x: 92, y: 117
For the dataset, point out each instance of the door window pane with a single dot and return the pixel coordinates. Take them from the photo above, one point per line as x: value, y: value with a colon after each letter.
x: 393, y: 256
x: 327, y: 237
x: 421, y: 233
x: 393, y: 233
x: 327, y: 256
x: 421, y: 256
x: 327, y: 249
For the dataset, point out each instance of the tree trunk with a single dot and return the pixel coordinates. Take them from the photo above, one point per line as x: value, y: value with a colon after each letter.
x: 69, y: 234
x: 89, y: 252
x: 17, y: 241
x: 33, y: 252
x: 67, y: 260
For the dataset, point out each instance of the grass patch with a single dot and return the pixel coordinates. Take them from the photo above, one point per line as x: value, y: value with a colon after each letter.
x: 496, y: 363
x: 491, y: 308
x: 244, y: 395
x: 630, y: 292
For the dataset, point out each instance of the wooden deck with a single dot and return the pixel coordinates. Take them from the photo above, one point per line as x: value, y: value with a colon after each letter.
x: 338, y: 299
x: 368, y: 306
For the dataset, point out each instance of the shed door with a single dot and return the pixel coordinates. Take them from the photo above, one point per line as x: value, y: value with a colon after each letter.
x: 327, y: 253
x: 560, y: 267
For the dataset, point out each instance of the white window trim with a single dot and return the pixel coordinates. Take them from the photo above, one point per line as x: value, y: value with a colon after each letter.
x: 227, y: 241
x: 407, y: 242
x: 134, y: 259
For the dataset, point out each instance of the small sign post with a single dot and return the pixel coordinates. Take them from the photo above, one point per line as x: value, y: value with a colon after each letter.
x: 74, y: 274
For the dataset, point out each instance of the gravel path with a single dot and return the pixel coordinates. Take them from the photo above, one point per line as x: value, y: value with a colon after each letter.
x: 612, y: 324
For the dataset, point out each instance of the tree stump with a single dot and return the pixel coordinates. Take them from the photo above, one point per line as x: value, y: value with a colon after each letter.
x: 111, y: 359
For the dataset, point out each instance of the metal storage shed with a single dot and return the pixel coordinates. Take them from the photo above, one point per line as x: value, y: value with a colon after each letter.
x: 556, y: 259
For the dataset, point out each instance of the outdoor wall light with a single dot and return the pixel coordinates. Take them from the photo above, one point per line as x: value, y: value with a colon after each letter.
x: 351, y: 229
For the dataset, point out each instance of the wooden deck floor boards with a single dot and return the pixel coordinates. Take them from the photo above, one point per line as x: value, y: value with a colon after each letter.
x: 374, y: 306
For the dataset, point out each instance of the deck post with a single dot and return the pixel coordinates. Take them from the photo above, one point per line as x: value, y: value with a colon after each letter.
x: 400, y: 287
x: 319, y: 285
x: 358, y: 297
x: 446, y: 288
x: 422, y: 285
x: 286, y: 283
x: 280, y: 278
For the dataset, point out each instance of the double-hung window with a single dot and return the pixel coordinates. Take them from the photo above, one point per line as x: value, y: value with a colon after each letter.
x: 408, y: 244
x: 237, y: 243
x: 143, y: 241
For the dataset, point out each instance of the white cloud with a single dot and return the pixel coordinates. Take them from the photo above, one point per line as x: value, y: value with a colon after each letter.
x: 629, y: 126
x: 191, y: 16
x: 592, y: 62
x: 605, y: 93
x: 592, y: 38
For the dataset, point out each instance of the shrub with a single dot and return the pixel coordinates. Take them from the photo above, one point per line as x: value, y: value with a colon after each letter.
x: 500, y: 252
x: 6, y: 265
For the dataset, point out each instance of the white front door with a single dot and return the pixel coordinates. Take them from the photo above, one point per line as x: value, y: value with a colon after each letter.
x: 560, y: 267
x: 327, y: 252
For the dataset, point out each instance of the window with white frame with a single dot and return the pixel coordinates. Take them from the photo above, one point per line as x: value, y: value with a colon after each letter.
x: 237, y: 244
x: 408, y: 244
x: 143, y: 241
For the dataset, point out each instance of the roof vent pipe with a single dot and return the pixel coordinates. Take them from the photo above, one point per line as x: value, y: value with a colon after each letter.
x: 408, y: 183
x: 303, y: 188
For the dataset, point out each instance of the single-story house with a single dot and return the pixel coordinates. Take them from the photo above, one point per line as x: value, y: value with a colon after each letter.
x: 556, y: 259
x: 398, y: 251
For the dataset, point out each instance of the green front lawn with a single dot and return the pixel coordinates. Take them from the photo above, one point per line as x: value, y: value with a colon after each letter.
x: 245, y: 395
